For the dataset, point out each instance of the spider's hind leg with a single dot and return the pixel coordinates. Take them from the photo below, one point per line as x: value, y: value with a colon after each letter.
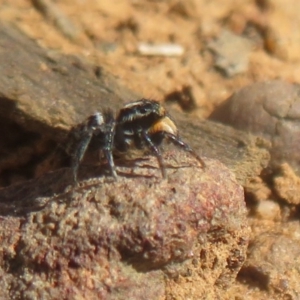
x: 79, y: 139
x: 78, y: 155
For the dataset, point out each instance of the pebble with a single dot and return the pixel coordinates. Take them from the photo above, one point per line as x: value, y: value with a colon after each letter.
x: 271, y: 110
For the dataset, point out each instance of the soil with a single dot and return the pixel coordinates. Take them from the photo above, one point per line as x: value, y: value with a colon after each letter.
x: 226, y: 45
x: 108, y: 33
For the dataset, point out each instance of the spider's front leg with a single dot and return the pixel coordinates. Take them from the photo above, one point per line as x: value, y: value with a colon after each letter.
x: 154, y: 149
x: 79, y: 139
x: 178, y: 142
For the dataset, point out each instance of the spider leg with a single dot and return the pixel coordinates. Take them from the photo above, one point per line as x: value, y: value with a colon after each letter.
x: 178, y: 142
x: 78, y: 155
x: 80, y: 138
x: 109, y: 142
x: 110, y: 159
x: 156, y: 152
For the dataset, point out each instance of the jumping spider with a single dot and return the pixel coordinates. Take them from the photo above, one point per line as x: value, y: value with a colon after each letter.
x: 142, y: 124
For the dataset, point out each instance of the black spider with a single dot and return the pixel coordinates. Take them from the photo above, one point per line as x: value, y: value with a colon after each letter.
x: 142, y: 124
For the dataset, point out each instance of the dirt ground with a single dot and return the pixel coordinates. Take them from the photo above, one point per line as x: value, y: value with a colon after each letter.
x: 262, y: 43
x: 220, y: 46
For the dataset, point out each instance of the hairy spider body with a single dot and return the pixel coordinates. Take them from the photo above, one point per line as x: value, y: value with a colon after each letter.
x: 142, y: 124
x: 139, y: 118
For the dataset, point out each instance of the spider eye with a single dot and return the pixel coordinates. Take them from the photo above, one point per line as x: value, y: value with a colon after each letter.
x: 143, y: 110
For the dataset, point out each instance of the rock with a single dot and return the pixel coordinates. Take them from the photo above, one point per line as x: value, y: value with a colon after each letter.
x: 287, y: 185
x: 271, y: 110
x: 43, y: 94
x: 134, y: 238
x: 232, y: 53
x: 38, y: 87
x: 281, y: 38
x: 9, y: 237
x: 273, y: 262
x: 268, y: 210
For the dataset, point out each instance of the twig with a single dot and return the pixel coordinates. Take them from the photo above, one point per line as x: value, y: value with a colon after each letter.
x: 160, y: 49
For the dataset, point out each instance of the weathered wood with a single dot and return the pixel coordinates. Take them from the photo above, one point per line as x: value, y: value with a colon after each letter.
x: 45, y: 92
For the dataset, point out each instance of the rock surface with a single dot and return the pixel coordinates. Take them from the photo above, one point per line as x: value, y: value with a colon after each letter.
x: 106, y: 35
x: 232, y: 53
x: 269, y: 109
x: 287, y: 185
x: 43, y: 94
x: 273, y: 262
x: 134, y: 238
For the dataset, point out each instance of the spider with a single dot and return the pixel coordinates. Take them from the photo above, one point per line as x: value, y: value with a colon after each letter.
x: 142, y: 125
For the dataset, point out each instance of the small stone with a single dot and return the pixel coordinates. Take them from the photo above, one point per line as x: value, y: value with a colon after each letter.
x: 232, y: 53
x: 268, y: 210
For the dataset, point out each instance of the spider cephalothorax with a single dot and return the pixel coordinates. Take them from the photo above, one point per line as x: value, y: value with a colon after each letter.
x: 141, y: 119
x: 142, y: 124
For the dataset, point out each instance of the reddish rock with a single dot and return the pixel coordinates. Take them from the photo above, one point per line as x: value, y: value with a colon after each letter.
x: 110, y: 239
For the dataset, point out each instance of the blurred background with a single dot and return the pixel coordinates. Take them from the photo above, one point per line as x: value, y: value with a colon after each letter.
x: 194, y: 53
